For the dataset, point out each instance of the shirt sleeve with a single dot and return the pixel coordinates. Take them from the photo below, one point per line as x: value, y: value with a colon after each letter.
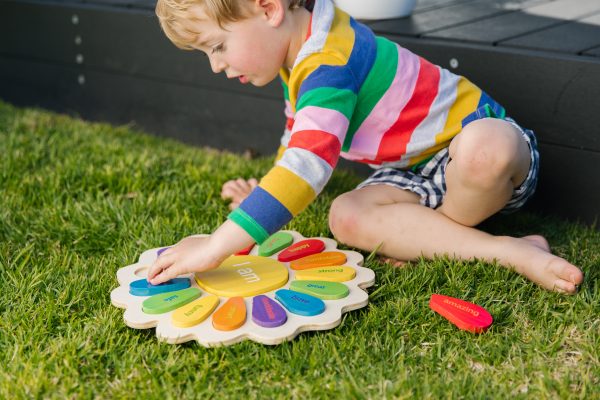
x: 325, y: 102
x: 289, y: 123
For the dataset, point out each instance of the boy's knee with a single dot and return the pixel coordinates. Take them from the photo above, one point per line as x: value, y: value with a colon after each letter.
x: 343, y: 217
x: 485, y: 154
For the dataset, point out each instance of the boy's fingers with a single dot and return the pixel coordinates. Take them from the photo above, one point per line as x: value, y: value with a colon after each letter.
x: 167, y: 251
x: 251, y: 184
x: 161, y: 263
x: 231, y: 191
x: 238, y: 195
x: 239, y: 183
x: 166, y: 274
x: 230, y: 183
x: 228, y: 192
x: 225, y: 192
x: 158, y: 279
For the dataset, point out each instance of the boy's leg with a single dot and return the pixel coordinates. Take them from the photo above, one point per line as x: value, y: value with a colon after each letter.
x: 489, y: 159
x: 366, y: 219
x: 393, y: 218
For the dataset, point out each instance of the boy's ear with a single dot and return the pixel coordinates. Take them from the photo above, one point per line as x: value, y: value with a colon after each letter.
x: 273, y: 10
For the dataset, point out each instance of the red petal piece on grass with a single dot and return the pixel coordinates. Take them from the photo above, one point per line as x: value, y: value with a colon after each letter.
x: 466, y: 316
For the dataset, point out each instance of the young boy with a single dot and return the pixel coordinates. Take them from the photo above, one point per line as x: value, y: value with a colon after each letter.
x: 445, y: 154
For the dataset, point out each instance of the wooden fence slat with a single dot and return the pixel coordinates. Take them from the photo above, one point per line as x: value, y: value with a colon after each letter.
x: 594, y: 52
x: 553, y: 96
x: 565, y: 9
x: 436, y: 19
x: 195, y: 115
x: 424, y: 5
x: 573, y: 37
x: 119, y: 49
x: 496, y: 28
x: 568, y: 183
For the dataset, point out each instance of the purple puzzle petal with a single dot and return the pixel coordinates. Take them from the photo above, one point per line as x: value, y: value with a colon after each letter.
x: 267, y: 312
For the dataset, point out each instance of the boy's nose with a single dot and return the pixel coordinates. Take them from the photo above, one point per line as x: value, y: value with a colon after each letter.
x: 216, y: 65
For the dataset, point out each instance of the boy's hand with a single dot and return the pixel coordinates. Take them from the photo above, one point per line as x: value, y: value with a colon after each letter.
x: 237, y: 190
x: 195, y: 254
x: 192, y: 254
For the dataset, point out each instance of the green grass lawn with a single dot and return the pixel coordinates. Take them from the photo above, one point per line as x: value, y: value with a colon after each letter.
x: 81, y: 200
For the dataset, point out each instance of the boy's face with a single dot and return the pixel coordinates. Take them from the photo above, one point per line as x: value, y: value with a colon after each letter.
x: 251, y: 50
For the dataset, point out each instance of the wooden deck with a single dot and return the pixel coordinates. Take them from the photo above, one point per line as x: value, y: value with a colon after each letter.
x: 107, y: 60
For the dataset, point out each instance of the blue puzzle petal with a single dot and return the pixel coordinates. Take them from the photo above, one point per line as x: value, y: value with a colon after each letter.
x: 300, y: 303
x: 144, y: 288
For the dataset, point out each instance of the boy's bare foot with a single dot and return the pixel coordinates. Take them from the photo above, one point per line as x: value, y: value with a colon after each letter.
x: 237, y: 190
x: 540, y: 265
x: 547, y: 270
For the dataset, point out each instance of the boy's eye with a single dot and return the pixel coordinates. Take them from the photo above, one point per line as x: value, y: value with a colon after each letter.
x: 217, y: 49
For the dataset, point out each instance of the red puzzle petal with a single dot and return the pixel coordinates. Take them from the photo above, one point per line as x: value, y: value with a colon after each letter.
x: 301, y: 249
x: 466, y: 316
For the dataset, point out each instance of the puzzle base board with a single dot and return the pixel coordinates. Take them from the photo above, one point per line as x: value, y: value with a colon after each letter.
x: 238, y: 281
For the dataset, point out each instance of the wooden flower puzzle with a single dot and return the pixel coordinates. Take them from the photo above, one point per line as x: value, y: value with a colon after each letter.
x: 268, y: 293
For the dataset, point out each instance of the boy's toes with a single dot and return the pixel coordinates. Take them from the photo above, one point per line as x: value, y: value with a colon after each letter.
x: 577, y: 277
x: 569, y: 277
x: 570, y: 273
x: 563, y: 286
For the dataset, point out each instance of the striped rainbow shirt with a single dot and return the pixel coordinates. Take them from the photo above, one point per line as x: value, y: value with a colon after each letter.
x: 364, y: 98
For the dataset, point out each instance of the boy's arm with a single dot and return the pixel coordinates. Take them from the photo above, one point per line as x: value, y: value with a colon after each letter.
x: 300, y: 173
x: 200, y: 254
x: 289, y: 124
x: 303, y: 168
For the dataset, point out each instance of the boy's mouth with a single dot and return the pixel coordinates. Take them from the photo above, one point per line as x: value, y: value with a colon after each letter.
x: 243, y: 79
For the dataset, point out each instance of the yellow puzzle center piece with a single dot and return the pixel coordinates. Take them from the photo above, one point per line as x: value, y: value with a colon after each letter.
x: 195, y: 312
x: 243, y: 276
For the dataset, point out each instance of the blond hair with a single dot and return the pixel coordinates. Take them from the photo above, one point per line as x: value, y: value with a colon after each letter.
x: 171, y: 12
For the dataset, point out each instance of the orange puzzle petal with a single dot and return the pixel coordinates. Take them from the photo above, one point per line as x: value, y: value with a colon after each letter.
x: 231, y: 316
x: 325, y: 259
x: 466, y: 316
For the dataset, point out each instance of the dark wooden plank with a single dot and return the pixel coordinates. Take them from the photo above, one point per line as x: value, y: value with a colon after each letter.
x: 496, y: 28
x: 195, y: 115
x: 424, y: 5
x: 568, y: 183
x: 554, y: 96
x: 147, y: 4
x: 594, y: 52
x: 436, y: 19
x: 143, y: 4
x: 573, y: 37
x: 38, y: 31
x: 46, y: 32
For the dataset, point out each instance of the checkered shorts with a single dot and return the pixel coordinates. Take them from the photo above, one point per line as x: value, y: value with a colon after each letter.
x: 429, y: 180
